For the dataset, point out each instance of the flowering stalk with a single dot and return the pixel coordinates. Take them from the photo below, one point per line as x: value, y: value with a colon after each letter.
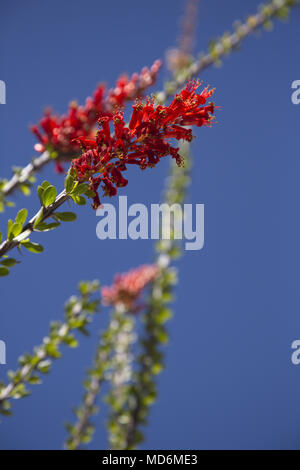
x: 143, y: 142
x: 78, y: 314
x: 113, y: 358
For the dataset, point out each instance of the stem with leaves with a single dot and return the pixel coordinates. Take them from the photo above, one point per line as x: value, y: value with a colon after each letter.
x: 112, y: 363
x: 18, y: 231
x: 22, y: 175
x: 79, y: 311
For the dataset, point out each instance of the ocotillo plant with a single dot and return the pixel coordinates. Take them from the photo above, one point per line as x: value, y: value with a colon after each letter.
x: 94, y: 147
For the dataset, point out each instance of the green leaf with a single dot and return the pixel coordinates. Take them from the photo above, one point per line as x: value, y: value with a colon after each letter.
x: 79, y: 200
x: 0, y: 237
x: 44, y: 227
x: 31, y: 246
x: 16, y: 229
x: 65, y: 216
x: 25, y: 189
x: 9, y: 262
x: 21, y: 216
x: 71, y: 341
x: 45, y: 184
x: 69, y: 182
x: 44, y: 366
x: 90, y: 193
x: 10, y: 224
x: 49, y: 195
x: 42, y: 188
x: 34, y: 380
x: 4, y: 271
x: 80, y: 189
x: 40, y: 191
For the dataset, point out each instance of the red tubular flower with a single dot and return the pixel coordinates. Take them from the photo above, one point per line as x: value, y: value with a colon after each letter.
x: 64, y: 134
x: 128, y: 287
x: 146, y: 139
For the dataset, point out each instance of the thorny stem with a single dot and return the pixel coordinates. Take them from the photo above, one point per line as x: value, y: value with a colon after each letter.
x: 78, y: 313
x: 37, y: 164
x: 89, y: 402
x: 222, y: 48
x: 121, y: 378
x: 8, y: 245
x: 110, y: 363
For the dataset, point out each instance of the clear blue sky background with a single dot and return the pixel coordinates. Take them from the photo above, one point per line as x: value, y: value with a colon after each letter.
x: 229, y: 381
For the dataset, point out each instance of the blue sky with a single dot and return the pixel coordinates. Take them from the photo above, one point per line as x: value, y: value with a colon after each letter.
x: 229, y: 381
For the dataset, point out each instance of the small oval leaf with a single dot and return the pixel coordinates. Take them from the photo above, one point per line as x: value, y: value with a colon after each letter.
x: 65, y: 216
x: 49, y: 195
x: 4, y: 271
x: 33, y: 247
x: 69, y: 182
x: 21, y: 216
x: 9, y: 262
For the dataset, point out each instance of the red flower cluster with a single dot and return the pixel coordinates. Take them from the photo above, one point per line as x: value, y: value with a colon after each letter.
x: 59, y: 133
x: 128, y: 287
x: 143, y: 142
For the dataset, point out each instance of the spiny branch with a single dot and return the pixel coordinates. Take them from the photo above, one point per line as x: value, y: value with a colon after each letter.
x: 47, y: 212
x: 227, y: 43
x: 103, y: 366
x: 78, y: 314
x: 37, y: 164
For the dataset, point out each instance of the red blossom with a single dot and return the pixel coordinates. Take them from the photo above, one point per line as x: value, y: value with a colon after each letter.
x: 144, y: 141
x: 59, y: 132
x: 128, y: 287
x: 62, y: 133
